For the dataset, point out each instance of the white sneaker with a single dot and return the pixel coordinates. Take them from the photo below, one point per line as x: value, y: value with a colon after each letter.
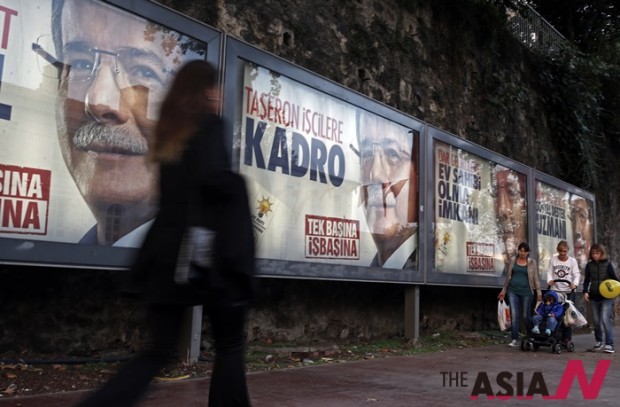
x: 514, y: 343
x: 598, y: 346
x: 535, y: 330
x: 609, y: 349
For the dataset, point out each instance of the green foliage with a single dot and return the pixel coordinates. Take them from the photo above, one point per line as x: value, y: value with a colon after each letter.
x: 579, y: 92
x: 592, y: 25
x: 573, y: 93
x: 582, y: 88
x: 506, y: 92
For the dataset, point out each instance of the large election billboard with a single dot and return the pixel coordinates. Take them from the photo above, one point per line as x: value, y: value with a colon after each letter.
x: 340, y: 186
x: 308, y: 156
x: 484, y: 205
x: 333, y: 176
x: 563, y: 214
x: 480, y: 212
x: 82, y: 82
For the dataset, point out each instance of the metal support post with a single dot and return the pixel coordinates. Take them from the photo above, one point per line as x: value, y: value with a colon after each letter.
x: 191, y: 329
x: 412, y: 313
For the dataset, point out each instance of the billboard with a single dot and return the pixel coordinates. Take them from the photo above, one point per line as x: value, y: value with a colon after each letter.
x: 480, y: 212
x: 563, y: 215
x: 332, y: 176
x: 81, y: 85
x: 341, y: 186
x: 308, y: 157
x: 484, y: 205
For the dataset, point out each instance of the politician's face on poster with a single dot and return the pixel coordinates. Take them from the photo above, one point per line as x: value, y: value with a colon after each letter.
x: 389, y: 187
x: 114, y: 70
x: 81, y: 90
x: 581, y: 227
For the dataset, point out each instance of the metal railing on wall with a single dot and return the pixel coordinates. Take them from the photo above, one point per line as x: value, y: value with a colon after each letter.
x: 534, y: 32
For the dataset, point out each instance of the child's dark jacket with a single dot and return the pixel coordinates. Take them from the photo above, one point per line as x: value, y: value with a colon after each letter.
x: 554, y: 308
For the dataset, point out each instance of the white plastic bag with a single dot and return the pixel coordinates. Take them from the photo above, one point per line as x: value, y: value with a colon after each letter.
x: 196, y: 254
x: 572, y: 316
x: 503, y: 315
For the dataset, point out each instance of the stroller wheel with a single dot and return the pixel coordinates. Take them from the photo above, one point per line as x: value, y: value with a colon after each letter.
x: 570, y: 347
x: 557, y: 348
x: 523, y: 342
x: 528, y: 346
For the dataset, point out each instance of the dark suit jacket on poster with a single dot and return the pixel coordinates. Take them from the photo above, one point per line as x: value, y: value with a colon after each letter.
x: 202, y: 176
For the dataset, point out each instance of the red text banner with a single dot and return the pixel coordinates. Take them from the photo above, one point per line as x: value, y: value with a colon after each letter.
x: 332, y: 238
x: 480, y: 257
x: 24, y: 199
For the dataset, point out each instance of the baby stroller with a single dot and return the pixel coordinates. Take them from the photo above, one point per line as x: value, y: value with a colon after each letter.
x: 554, y: 340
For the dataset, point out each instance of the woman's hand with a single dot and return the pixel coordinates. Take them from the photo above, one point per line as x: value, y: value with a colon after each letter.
x: 586, y: 296
x: 501, y: 295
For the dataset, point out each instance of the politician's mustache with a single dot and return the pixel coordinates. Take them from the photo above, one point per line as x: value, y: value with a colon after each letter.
x: 382, y: 194
x: 100, y: 137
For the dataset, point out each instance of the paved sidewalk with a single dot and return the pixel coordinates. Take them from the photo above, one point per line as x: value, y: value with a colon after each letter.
x: 400, y: 381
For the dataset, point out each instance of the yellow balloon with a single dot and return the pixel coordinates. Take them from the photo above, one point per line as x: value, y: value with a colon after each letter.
x: 609, y: 288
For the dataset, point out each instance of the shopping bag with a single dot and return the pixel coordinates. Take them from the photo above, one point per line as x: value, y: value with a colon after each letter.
x: 572, y: 316
x: 503, y: 315
x: 196, y: 254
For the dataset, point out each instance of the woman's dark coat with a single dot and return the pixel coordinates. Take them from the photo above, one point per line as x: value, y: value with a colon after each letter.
x: 202, y: 176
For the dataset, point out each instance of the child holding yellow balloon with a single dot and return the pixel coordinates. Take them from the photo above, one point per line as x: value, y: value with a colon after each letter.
x: 598, y: 270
